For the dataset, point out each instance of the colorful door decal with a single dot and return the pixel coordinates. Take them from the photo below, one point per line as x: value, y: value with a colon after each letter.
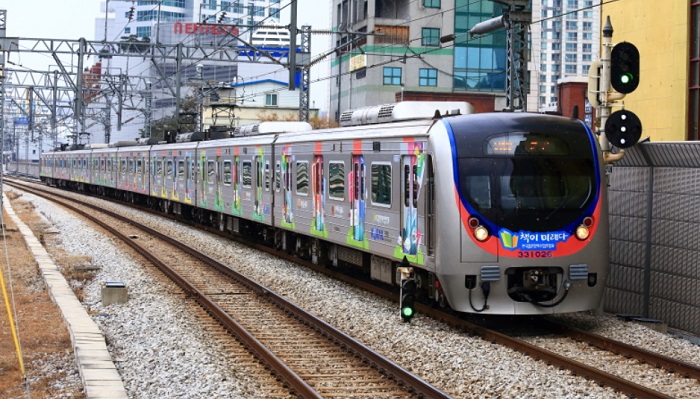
x: 236, y: 203
x: 357, y: 199
x: 287, y: 209
x: 318, y: 184
x: 408, y: 239
x: 412, y: 173
x: 203, y: 180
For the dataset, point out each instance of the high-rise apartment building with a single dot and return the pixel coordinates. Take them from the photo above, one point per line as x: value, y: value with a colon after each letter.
x: 565, y: 40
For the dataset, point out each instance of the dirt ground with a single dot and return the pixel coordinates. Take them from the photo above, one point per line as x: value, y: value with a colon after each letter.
x: 45, y: 341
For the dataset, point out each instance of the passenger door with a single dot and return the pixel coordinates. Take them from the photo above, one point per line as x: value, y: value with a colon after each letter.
x: 409, y: 205
x: 357, y: 198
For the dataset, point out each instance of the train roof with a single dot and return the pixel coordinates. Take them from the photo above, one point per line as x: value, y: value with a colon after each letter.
x: 404, y: 111
x: 380, y: 131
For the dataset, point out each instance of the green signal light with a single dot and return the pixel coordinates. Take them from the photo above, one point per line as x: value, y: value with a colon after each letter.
x: 626, y: 78
x: 407, y: 312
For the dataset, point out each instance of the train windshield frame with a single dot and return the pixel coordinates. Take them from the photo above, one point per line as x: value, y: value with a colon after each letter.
x: 530, y: 180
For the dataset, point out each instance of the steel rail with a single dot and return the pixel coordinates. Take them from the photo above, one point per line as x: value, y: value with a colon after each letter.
x: 411, y: 381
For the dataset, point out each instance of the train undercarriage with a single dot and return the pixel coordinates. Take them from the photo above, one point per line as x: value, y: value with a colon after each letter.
x: 373, y: 268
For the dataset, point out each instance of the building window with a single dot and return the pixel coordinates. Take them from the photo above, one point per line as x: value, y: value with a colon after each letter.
x: 271, y: 100
x: 430, y: 37
x: 427, y: 77
x: 257, y: 11
x: 431, y: 3
x: 143, y: 31
x: 572, y: 47
x: 209, y: 4
x: 570, y: 58
x: 587, y: 48
x: 571, y: 25
x: 570, y: 69
x: 392, y: 76
x: 571, y: 36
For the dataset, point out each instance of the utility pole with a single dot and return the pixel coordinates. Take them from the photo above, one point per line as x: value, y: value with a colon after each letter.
x: 516, y: 18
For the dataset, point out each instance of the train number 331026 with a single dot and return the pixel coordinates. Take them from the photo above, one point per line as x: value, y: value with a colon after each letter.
x: 534, y: 254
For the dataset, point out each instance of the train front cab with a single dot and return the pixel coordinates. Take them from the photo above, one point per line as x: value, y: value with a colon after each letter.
x: 532, y: 231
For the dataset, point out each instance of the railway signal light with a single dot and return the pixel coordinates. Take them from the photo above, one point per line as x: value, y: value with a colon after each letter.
x: 623, y: 129
x: 624, y: 67
x: 408, y: 299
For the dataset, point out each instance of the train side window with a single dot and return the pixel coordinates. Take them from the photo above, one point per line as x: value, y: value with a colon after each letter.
x: 235, y: 177
x: 227, y: 173
x: 406, y: 185
x: 336, y: 180
x: 267, y: 175
x: 381, y: 184
x: 159, y: 168
x: 278, y: 176
x: 303, y: 178
x: 211, y: 172
x: 122, y: 166
x: 415, y: 186
x: 258, y: 172
x: 139, y: 167
x: 247, y: 172
x: 181, y: 170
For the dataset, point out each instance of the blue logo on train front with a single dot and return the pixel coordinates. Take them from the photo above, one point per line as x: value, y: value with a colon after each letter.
x: 532, y: 241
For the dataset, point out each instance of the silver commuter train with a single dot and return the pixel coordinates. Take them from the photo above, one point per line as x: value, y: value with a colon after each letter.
x: 500, y: 213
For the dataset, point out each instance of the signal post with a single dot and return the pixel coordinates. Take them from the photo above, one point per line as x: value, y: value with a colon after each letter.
x: 618, y: 67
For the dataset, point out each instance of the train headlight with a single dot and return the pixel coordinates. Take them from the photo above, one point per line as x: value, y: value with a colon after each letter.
x: 582, y: 232
x: 481, y: 233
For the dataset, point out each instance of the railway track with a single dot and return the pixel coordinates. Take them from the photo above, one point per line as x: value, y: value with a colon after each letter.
x: 634, y: 372
x: 309, y: 358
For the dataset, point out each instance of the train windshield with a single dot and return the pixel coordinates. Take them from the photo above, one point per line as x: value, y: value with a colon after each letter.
x: 530, y: 181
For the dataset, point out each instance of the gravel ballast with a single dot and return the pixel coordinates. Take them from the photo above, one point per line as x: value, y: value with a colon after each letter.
x: 161, y: 351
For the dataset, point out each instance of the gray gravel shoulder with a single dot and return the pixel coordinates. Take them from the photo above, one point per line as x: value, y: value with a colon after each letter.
x: 161, y: 352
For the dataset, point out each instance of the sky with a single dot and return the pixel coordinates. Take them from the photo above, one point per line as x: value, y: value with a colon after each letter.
x: 74, y: 19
